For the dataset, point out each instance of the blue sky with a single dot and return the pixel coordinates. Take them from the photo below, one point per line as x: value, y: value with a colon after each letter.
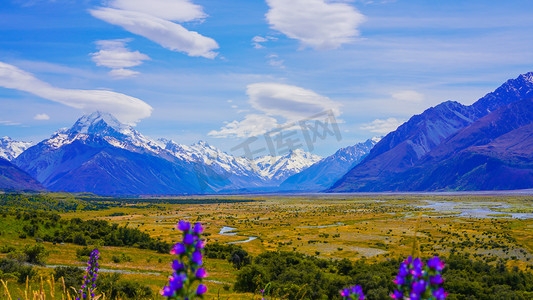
x: 222, y: 71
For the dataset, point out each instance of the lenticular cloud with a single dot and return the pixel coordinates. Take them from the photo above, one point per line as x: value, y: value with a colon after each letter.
x: 125, y: 108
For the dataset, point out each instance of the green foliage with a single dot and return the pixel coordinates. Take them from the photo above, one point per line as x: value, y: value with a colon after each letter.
x: 14, y: 269
x: 114, y: 287
x: 233, y: 253
x: 292, y: 274
x: 50, y: 227
x: 21, y: 203
x: 73, y: 276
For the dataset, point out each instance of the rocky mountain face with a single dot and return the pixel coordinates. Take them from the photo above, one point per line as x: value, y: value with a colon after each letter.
x: 13, y: 178
x: 402, y: 149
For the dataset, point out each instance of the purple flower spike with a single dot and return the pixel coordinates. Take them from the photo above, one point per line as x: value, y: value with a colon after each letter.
x: 197, y: 257
x: 436, y: 263
x: 440, y: 294
x: 177, y: 265
x: 178, y: 249
x: 188, y: 239
x: 198, y: 229
x: 186, y: 266
x: 201, y: 289
x: 437, y: 279
x: 396, y: 295
x: 184, y: 226
x: 201, y: 273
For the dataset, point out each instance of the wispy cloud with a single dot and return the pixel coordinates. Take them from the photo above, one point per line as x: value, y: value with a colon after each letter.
x: 319, y: 24
x: 126, y: 108
x: 257, y: 41
x: 9, y: 123
x: 252, y: 125
x: 154, y: 21
x: 408, y: 95
x: 275, y: 61
x: 114, y: 54
x: 382, y: 126
x: 41, y: 117
x: 287, y: 103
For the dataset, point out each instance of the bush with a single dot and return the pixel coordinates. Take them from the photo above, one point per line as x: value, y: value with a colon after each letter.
x: 73, y: 276
x: 35, y: 254
x: 114, y: 287
x: 15, y: 269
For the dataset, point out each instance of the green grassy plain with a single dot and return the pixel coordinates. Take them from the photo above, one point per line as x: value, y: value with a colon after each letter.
x: 375, y: 227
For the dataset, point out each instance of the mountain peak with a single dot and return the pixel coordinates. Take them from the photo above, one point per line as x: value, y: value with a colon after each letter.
x: 97, y: 122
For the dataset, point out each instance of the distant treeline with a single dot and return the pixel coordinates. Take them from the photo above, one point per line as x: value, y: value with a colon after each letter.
x: 50, y: 227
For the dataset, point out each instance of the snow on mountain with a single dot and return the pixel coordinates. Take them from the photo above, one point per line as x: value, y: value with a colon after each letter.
x: 104, y: 125
x: 278, y: 168
x: 324, y: 173
x: 266, y: 170
x: 10, y: 149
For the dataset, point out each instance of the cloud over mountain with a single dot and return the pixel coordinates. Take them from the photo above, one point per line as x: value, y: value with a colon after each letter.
x: 126, y: 108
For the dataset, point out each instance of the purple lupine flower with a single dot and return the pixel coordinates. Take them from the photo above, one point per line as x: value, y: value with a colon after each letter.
x: 399, y: 280
x: 198, y: 229
x: 440, y: 294
x: 436, y: 263
x: 92, y: 268
x: 437, y: 279
x: 201, y: 273
x: 396, y: 295
x: 404, y: 271
x: 201, y: 289
x: 184, y: 225
x: 353, y: 293
x: 188, y: 239
x: 186, y: 267
x: 417, y: 281
x: 178, y: 249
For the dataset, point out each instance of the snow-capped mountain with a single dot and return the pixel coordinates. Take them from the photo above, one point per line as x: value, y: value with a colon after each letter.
x: 99, y: 154
x: 9, y: 148
x: 278, y: 168
x: 243, y: 172
x: 324, y: 173
x: 106, y: 126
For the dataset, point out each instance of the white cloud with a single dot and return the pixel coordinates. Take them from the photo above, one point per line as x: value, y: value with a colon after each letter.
x: 9, y: 123
x: 172, y: 10
x: 114, y: 54
x: 275, y: 61
x: 153, y: 20
x: 319, y: 24
x: 408, y: 95
x: 382, y: 126
x: 252, y: 125
x: 41, y: 117
x: 288, y: 101
x: 258, y: 40
x: 276, y: 100
x: 126, y: 108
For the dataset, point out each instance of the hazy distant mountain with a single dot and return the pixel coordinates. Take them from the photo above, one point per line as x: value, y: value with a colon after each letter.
x: 13, y: 178
x: 243, y: 172
x: 327, y: 171
x: 9, y: 148
x: 403, y: 148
